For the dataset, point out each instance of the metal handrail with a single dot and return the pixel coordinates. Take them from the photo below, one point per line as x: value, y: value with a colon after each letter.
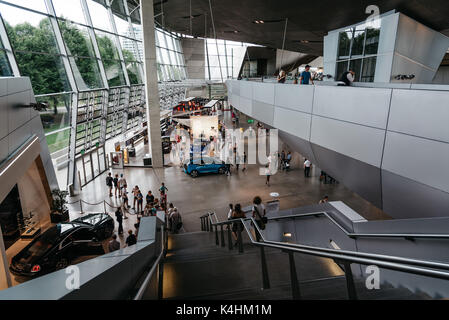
x: 150, y: 274
x: 431, y: 269
x: 365, y: 261
x: 337, y: 254
x: 365, y: 235
x: 395, y: 259
x: 351, y: 234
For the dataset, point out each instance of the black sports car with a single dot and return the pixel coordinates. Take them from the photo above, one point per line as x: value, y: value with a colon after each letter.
x: 61, y: 244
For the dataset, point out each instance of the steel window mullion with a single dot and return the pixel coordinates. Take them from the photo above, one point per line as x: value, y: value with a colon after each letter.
x: 117, y: 40
x: 133, y: 35
x: 93, y: 37
x: 71, y: 177
x: 8, y: 49
x: 105, y: 99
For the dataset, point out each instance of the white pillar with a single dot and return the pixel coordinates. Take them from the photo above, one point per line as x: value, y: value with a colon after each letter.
x: 151, y: 82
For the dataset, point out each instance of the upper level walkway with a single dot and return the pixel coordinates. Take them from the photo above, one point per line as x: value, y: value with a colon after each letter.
x: 387, y: 142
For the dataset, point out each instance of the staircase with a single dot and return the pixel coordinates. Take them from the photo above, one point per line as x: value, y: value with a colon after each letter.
x: 196, y: 269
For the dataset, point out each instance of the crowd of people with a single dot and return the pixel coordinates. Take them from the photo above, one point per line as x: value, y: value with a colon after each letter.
x: 306, y: 77
x: 152, y: 206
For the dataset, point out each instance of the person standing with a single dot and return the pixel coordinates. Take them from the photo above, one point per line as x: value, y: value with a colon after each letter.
x: 288, y: 159
x: 125, y: 205
x: 150, y: 198
x: 119, y: 218
x: 139, y: 202
x: 116, y: 187
x: 109, y: 183
x: 245, y: 158
x: 267, y: 174
x: 228, y: 167
x: 307, y: 167
x: 306, y: 76
x: 175, y: 221
x: 135, y: 192
x: 113, y: 245
x: 259, y: 212
x: 237, y: 162
x: 282, y: 76
x: 163, y: 191
x: 121, y: 183
x: 237, y: 226
x: 131, y: 239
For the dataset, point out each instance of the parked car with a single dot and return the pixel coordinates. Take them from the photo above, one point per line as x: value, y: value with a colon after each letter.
x: 58, y: 246
x: 203, y: 165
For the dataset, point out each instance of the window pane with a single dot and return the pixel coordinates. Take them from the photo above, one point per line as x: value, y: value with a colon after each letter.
x: 99, y: 15
x: 38, y: 5
x: 372, y: 41
x: 369, y: 69
x: 344, y: 43
x: 29, y: 31
x: 86, y: 72
x: 76, y: 39
x: 107, y: 46
x: 71, y: 10
x: 342, y: 67
x: 357, y: 43
x: 118, y: 8
x: 134, y: 12
x: 58, y: 141
x: 130, y: 50
x: 133, y: 73
x: 5, y: 67
x: 122, y: 25
x: 356, y: 66
x: 165, y: 57
x: 114, y: 73
x: 46, y: 72
x: 138, y: 32
x: 57, y: 116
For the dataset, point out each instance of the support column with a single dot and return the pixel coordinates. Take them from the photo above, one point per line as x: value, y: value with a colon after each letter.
x: 151, y: 82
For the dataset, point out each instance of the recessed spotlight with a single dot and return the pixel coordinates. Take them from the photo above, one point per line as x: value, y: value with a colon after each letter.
x: 287, y: 234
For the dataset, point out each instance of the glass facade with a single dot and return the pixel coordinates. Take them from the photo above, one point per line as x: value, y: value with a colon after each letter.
x: 85, y: 60
x: 357, y: 50
x: 224, y: 58
x: 171, y: 66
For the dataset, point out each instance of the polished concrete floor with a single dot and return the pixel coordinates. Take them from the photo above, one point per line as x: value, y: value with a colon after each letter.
x: 195, y: 197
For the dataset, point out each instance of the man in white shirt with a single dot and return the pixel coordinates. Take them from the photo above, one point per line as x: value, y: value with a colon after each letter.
x: 307, y: 167
x: 121, y: 182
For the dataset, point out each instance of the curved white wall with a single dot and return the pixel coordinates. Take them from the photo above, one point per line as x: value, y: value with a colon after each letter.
x: 389, y: 145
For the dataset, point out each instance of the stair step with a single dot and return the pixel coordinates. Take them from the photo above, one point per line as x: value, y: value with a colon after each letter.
x: 196, y: 268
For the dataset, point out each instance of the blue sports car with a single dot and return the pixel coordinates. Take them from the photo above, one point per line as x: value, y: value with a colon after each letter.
x: 202, y: 165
